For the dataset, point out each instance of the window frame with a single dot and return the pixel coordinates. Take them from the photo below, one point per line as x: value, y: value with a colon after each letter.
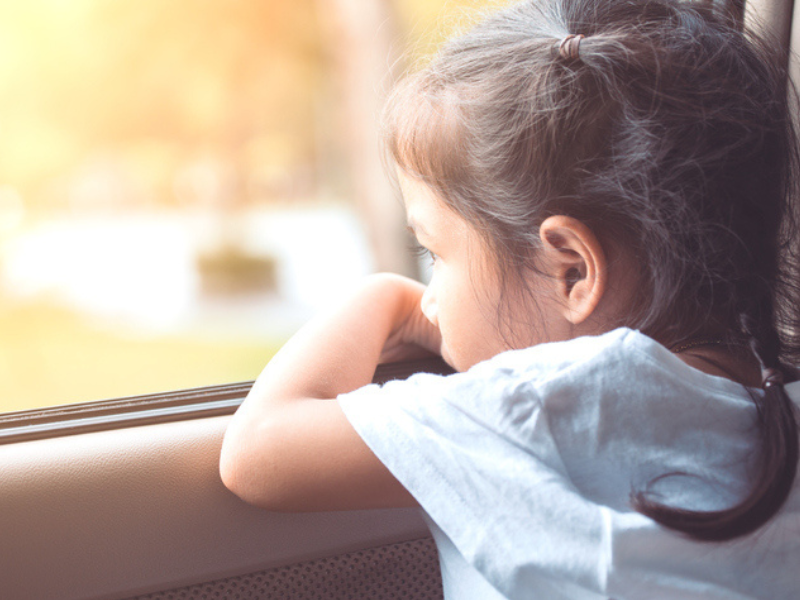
x: 148, y: 409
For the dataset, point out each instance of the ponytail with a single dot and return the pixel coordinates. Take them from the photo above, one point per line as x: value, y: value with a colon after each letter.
x: 778, y: 460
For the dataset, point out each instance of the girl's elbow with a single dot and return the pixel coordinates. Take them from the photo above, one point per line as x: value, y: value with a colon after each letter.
x: 235, y: 464
x: 247, y: 472
x: 230, y: 466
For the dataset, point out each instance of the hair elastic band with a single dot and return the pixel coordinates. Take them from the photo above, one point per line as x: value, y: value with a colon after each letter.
x: 770, y: 377
x: 570, y: 47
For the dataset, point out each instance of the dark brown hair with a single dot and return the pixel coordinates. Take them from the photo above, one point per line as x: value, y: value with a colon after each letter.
x: 671, y: 135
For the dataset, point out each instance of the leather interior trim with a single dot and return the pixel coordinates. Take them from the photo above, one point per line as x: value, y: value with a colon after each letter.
x: 113, y: 514
x: 158, y: 408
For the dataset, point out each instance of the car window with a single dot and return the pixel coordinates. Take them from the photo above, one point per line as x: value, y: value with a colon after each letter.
x: 178, y: 189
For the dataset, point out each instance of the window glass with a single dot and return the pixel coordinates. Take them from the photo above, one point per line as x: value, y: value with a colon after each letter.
x: 180, y: 187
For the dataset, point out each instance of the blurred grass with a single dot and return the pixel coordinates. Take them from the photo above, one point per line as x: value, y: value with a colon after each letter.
x: 50, y: 356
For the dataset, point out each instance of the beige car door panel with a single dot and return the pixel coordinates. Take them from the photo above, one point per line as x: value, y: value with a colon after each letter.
x: 119, y: 512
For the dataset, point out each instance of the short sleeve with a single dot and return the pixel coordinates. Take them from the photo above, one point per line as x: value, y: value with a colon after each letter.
x: 456, y: 443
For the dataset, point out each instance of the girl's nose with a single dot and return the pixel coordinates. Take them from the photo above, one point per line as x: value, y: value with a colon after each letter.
x: 428, y: 306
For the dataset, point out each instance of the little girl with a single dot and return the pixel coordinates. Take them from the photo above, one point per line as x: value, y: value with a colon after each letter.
x: 604, y: 187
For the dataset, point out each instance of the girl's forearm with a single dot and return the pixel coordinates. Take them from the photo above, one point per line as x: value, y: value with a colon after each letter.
x: 289, y: 446
x: 338, y: 352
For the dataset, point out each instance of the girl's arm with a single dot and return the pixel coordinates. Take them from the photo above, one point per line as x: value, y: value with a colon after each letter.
x: 289, y: 447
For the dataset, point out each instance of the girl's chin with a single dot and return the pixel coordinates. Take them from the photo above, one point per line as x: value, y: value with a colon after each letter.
x: 447, y: 357
x: 458, y: 362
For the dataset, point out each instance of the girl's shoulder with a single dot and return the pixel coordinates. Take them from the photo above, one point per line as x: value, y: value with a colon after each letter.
x: 617, y: 347
x: 623, y: 381
x: 616, y: 378
x: 608, y: 410
x: 620, y: 358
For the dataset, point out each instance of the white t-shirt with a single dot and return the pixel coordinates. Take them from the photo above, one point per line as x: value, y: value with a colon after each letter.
x: 524, y: 466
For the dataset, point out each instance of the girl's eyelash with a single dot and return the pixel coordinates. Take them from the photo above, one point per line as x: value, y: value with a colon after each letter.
x: 421, y: 251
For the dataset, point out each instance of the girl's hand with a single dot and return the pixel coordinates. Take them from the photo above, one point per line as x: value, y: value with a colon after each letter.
x: 414, y: 336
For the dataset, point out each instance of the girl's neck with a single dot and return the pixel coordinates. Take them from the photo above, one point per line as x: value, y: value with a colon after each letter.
x: 714, y: 357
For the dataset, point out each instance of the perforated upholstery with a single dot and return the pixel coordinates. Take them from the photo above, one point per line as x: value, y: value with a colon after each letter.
x: 403, y: 571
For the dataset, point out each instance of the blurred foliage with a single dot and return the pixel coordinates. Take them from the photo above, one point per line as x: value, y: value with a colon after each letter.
x: 153, y: 80
x: 158, y: 81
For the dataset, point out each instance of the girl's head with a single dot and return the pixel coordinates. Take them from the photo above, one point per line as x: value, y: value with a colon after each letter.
x: 668, y: 136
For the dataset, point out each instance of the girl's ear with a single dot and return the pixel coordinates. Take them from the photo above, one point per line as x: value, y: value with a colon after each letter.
x: 577, y: 265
